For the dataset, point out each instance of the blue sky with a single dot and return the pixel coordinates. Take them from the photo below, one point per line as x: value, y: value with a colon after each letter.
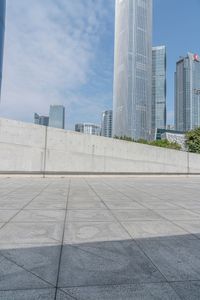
x: 61, y: 52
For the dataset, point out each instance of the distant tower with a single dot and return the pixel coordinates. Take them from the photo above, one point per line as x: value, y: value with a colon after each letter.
x: 187, y: 93
x: 41, y: 120
x: 106, y: 123
x: 159, y: 87
x: 133, y: 69
x: 2, y: 30
x: 57, y: 116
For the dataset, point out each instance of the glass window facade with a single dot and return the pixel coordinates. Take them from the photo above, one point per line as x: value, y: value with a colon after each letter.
x: 133, y: 69
x: 159, y: 87
x: 57, y: 116
x: 187, y: 93
x: 41, y: 120
x: 2, y: 30
x: 88, y: 128
x: 106, y: 124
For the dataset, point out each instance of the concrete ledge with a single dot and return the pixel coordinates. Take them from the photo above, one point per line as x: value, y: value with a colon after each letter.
x: 29, y: 149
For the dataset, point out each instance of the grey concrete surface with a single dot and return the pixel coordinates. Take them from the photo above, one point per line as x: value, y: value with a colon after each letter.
x: 100, y: 238
x: 30, y: 148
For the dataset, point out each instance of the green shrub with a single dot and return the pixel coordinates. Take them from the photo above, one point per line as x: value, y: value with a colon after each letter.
x: 158, y: 143
x: 193, y: 140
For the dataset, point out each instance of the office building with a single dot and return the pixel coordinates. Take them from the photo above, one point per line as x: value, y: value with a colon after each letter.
x: 187, y: 93
x: 133, y: 69
x: 57, y: 116
x: 41, y: 120
x: 88, y: 128
x: 159, y: 87
x: 2, y: 31
x: 106, y: 123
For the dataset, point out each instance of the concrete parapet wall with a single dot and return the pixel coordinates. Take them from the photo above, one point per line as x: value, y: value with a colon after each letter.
x: 32, y: 148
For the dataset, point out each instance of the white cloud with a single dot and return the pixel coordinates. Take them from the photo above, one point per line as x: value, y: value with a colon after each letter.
x: 49, y: 52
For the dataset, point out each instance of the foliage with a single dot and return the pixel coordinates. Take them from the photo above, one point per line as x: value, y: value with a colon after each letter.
x: 158, y: 143
x: 124, y: 138
x: 193, y: 140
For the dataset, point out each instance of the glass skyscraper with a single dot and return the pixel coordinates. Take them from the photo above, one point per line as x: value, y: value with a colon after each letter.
x: 57, y: 116
x: 106, y: 123
x: 159, y: 87
x: 2, y: 30
x: 187, y: 93
x: 133, y: 69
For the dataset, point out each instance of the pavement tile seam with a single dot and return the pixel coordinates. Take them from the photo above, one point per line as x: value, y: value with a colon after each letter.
x: 141, y: 249
x: 28, y: 271
x: 23, y: 207
x: 171, y: 221
x: 151, y: 195
x: 62, y: 241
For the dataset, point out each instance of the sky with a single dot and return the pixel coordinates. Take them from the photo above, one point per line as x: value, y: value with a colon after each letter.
x: 61, y: 52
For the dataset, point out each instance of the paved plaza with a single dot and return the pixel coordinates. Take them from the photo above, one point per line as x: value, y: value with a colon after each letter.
x: 100, y: 238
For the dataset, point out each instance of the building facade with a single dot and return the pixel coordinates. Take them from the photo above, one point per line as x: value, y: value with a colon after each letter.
x: 88, y: 128
x: 41, y: 120
x: 159, y: 87
x: 2, y: 31
x: 133, y: 69
x: 187, y: 93
x: 106, y: 123
x: 57, y: 116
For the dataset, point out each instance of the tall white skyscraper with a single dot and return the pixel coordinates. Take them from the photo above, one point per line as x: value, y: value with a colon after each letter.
x: 159, y: 87
x: 132, y: 105
x: 2, y: 30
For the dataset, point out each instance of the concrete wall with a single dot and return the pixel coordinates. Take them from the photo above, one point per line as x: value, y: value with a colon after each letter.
x: 32, y: 148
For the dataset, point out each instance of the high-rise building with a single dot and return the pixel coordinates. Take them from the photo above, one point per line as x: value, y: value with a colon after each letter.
x: 133, y: 69
x: 106, y: 123
x: 57, y: 116
x: 41, y: 120
x: 88, y: 128
x: 2, y: 30
x: 187, y: 93
x: 159, y: 87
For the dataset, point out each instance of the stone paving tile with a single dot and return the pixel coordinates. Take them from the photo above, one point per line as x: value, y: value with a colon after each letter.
x: 33, y: 233
x: 83, y: 232
x: 32, y: 216
x: 89, y: 215
x: 177, y: 214
x: 104, y: 263
x: 14, y: 277
x: 123, y: 238
x: 37, y: 294
x: 178, y: 259
x: 150, y: 291
x: 41, y: 261
x: 87, y: 204
x: 5, y: 215
x: 191, y: 226
x: 149, y: 229
x: 136, y: 214
x: 187, y: 290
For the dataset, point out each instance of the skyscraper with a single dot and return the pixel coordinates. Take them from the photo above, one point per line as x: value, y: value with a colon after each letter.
x: 88, y: 128
x: 187, y: 93
x: 57, y: 116
x: 159, y: 87
x: 133, y: 69
x: 2, y: 30
x: 41, y: 120
x: 106, y: 123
